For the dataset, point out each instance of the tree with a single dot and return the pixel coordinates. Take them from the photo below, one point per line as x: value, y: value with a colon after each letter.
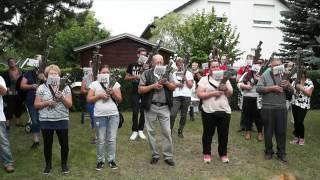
x: 301, y: 25
x: 200, y: 31
x: 83, y: 29
x: 34, y: 19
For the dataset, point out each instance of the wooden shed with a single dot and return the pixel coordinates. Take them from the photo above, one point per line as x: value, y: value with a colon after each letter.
x: 118, y: 51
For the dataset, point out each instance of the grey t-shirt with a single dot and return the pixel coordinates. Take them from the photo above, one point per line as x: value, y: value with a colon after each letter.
x: 158, y: 95
x: 59, y: 112
x: 271, y: 100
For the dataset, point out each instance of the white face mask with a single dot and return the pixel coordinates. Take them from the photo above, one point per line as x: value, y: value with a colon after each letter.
x: 104, y: 78
x: 217, y: 75
x: 142, y: 59
x: 278, y: 69
x: 53, y: 80
x: 255, y: 67
x: 159, y: 71
x: 249, y: 62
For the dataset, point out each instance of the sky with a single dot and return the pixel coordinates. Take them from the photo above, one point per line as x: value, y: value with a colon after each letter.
x: 131, y: 16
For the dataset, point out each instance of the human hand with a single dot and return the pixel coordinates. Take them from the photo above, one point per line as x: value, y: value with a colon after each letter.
x: 157, y: 86
x: 277, y: 89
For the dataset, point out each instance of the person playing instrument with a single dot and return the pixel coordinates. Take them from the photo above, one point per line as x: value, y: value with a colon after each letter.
x: 300, y: 105
x: 29, y: 84
x: 250, y: 106
x: 216, y: 112
x: 196, y: 78
x: 157, y: 101
x: 133, y: 76
x: 274, y: 112
x: 181, y: 95
x: 240, y: 72
x: 53, y: 105
x: 224, y: 62
x: 5, y: 154
x: 12, y: 99
x: 106, y: 117
x: 85, y: 83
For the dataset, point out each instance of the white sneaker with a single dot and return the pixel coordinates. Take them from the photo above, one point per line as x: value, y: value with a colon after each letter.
x: 134, y: 135
x: 141, y: 135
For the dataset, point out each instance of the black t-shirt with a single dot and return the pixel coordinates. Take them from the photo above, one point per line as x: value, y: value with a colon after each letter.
x: 134, y: 69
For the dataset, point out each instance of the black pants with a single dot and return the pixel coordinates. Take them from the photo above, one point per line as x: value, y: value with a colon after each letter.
x: 14, y: 106
x: 298, y: 115
x: 275, y: 121
x: 180, y: 103
x: 62, y: 134
x: 136, y: 108
x: 210, y: 121
x: 251, y: 113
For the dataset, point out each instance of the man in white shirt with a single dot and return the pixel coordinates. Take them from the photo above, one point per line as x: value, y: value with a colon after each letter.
x: 4, y: 141
x: 181, y: 96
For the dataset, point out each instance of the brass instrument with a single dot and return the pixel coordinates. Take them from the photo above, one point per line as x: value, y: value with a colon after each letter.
x: 299, y: 64
x: 96, y: 62
x: 257, y: 52
x: 186, y: 63
x: 155, y: 50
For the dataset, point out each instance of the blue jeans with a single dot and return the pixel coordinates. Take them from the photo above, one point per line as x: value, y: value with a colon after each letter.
x: 106, y: 129
x: 34, y: 115
x: 5, y: 152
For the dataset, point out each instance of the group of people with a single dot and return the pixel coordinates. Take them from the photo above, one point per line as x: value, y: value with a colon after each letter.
x: 160, y: 98
x: 48, y: 107
x: 266, y: 99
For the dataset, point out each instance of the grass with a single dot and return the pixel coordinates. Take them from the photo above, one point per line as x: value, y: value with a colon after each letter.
x: 246, y: 157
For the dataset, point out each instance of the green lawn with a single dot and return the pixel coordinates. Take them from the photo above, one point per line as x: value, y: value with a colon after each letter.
x: 246, y: 157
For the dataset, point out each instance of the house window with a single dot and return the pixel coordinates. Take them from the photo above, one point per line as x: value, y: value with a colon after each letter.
x: 263, y: 14
x: 222, y: 9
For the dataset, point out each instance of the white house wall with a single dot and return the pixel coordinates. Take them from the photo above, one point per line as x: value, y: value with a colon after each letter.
x: 241, y: 17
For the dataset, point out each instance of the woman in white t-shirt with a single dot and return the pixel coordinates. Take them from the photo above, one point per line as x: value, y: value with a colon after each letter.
x: 216, y: 112
x: 106, y: 117
x: 300, y: 105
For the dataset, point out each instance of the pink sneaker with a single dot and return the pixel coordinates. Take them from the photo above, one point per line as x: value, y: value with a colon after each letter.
x: 301, y: 142
x: 225, y: 159
x: 294, y: 141
x: 207, y: 158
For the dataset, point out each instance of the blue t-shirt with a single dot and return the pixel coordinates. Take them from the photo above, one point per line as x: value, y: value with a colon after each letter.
x: 31, y: 93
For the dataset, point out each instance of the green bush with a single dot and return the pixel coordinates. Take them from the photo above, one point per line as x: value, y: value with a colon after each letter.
x: 315, y: 76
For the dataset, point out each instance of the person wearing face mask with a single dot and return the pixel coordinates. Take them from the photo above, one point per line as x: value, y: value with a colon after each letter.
x: 274, y: 111
x: 53, y: 105
x: 300, y: 106
x: 133, y: 76
x: 241, y: 71
x: 224, y: 62
x: 196, y: 78
x: 216, y: 112
x: 29, y: 84
x: 181, y: 96
x: 5, y: 154
x: 157, y: 101
x: 250, y: 107
x: 106, y: 116
x: 85, y: 83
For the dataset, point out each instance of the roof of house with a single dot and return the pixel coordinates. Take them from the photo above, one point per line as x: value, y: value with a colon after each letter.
x: 116, y: 38
x: 147, y: 30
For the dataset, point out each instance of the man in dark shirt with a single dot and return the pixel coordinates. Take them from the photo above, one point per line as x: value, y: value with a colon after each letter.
x: 12, y: 99
x: 133, y: 75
